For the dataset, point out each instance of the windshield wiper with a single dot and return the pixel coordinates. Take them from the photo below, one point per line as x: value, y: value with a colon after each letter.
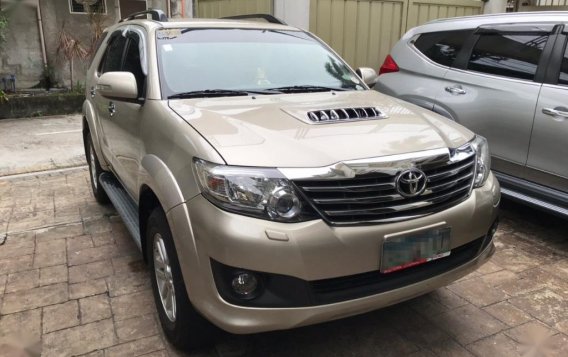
x: 305, y: 88
x: 208, y: 93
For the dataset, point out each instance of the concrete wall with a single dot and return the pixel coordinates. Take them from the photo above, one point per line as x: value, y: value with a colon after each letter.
x: 21, y: 54
x: 56, y: 16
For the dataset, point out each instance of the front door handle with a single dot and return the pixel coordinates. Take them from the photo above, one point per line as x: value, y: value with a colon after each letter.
x: 93, y: 92
x: 455, y: 90
x: 558, y: 113
x: 111, y: 109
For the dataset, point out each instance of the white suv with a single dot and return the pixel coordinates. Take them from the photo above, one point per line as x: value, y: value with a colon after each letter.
x: 504, y: 77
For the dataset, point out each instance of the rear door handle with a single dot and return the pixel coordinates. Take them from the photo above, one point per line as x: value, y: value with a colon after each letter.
x: 559, y: 113
x: 455, y: 90
x: 111, y: 109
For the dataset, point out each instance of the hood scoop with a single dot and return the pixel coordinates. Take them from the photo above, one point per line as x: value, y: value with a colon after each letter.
x: 339, y: 115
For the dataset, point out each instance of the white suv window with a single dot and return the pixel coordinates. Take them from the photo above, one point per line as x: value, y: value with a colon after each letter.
x: 514, y: 55
x: 442, y: 47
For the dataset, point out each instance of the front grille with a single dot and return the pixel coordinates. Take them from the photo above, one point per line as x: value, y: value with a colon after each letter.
x: 373, y: 198
x: 343, y: 114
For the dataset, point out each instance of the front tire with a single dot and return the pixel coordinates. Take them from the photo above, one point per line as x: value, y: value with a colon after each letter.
x: 95, y: 172
x: 183, y: 326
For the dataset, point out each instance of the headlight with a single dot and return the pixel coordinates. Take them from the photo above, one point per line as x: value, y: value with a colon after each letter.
x: 258, y: 192
x: 482, y: 160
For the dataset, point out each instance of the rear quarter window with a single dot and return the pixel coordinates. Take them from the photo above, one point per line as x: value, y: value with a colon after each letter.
x: 442, y: 47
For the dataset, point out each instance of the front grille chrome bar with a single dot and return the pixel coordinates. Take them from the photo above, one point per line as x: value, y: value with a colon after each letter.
x: 365, y: 191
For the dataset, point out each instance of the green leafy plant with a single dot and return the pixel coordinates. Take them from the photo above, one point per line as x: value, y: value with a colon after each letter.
x: 79, y: 88
x: 3, y: 96
x: 3, y: 27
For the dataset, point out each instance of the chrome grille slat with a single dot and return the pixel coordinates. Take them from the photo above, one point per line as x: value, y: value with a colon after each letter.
x: 441, y: 175
x: 371, y: 197
x: 397, y: 208
x: 351, y: 188
x: 451, y: 183
x: 359, y: 200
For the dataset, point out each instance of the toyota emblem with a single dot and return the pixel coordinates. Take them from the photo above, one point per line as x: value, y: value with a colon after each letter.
x: 411, y: 183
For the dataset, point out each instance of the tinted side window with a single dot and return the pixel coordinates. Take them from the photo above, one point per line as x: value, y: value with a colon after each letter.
x: 132, y: 62
x: 442, y: 47
x: 514, y: 55
x: 563, y: 78
x: 113, y: 56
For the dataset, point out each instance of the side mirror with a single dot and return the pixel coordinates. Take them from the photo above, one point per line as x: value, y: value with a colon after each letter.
x: 368, y: 75
x: 118, y: 85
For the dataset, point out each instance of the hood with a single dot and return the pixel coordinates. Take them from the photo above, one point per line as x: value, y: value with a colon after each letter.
x: 272, y: 130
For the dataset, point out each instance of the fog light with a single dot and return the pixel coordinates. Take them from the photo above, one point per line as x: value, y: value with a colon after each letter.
x: 244, y: 284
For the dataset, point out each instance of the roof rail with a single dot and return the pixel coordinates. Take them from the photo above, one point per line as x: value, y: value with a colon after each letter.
x: 157, y: 15
x: 266, y: 17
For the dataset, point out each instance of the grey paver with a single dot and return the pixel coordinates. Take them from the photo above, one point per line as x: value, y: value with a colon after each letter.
x: 136, y: 328
x: 87, y: 288
x: 94, y: 308
x: 34, y: 298
x: 60, y: 316
x: 79, y: 339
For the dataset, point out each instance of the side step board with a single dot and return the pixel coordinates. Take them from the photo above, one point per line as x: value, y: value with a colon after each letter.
x: 125, y: 206
x: 534, y: 201
x: 533, y: 194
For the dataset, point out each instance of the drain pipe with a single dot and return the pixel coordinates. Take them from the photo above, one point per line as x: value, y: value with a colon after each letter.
x: 41, y: 36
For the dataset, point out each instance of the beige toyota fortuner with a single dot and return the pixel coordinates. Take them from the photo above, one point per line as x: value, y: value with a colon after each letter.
x: 265, y: 184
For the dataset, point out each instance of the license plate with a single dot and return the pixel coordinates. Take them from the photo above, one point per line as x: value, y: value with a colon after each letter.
x: 408, y: 250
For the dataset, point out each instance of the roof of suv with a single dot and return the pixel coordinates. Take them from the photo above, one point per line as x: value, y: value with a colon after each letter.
x: 465, y: 22
x: 511, y: 17
x: 202, y: 23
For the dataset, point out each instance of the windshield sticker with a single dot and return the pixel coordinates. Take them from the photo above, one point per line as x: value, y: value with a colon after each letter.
x: 167, y: 47
x: 168, y: 34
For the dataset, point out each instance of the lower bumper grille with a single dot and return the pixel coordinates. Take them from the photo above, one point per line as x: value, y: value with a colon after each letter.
x: 328, y: 291
x: 286, y: 291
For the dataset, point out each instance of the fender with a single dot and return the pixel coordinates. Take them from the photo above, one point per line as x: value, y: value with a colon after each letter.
x: 155, y: 174
x: 94, y: 128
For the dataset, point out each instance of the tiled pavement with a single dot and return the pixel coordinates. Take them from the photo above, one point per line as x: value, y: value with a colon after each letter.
x: 72, y: 281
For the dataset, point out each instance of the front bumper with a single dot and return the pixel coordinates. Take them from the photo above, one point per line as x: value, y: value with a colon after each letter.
x: 310, y: 251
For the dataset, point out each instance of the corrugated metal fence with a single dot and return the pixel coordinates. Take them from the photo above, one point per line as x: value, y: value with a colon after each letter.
x: 364, y: 31
x: 219, y: 8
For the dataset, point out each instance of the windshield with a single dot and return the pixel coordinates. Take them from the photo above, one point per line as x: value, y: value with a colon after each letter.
x: 248, y: 60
